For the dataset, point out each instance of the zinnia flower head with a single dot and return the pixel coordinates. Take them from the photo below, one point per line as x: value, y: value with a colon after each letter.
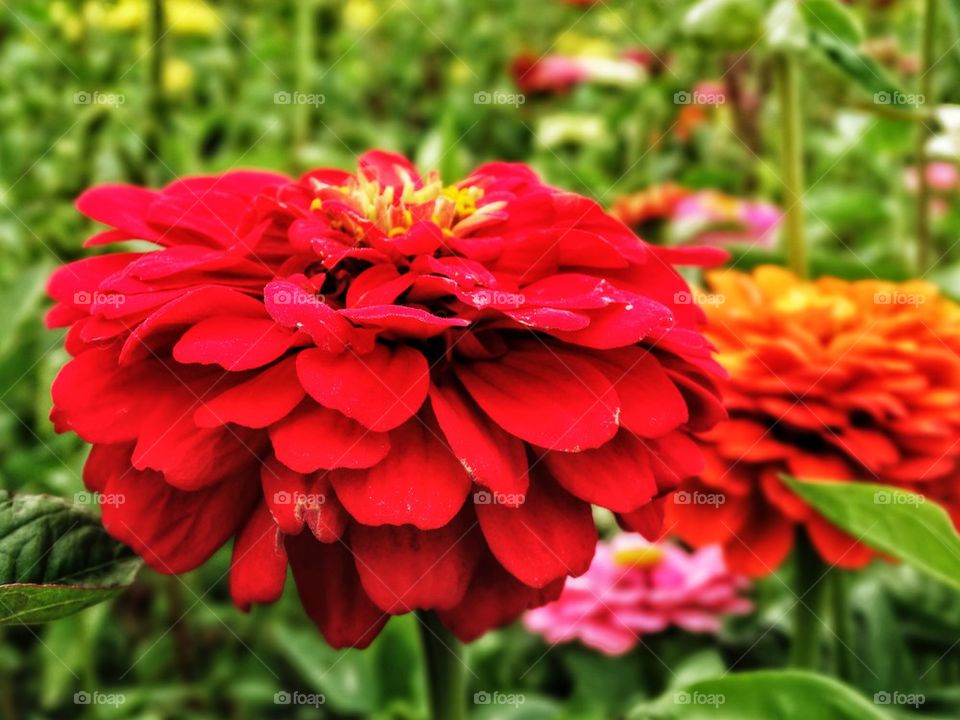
x: 657, y: 202
x: 635, y: 588
x: 560, y: 73
x: 716, y: 218
x: 411, y: 391
x: 831, y: 380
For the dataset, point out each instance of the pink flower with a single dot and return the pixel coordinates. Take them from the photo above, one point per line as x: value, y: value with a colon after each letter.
x: 714, y: 218
x: 941, y: 176
x: 560, y: 73
x: 635, y: 588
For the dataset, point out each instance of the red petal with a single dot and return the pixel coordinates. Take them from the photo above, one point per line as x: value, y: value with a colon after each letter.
x: 124, y: 207
x: 331, y: 592
x: 549, y: 536
x: 235, y: 343
x: 390, y: 169
x: 622, y: 325
x: 494, y: 599
x: 293, y: 307
x: 647, y: 520
x: 407, y: 321
x: 295, y: 499
x: 652, y: 404
x: 836, y: 547
x: 556, y: 402
x: 259, y: 402
x: 404, y: 569
x: 315, y: 438
x: 381, y: 389
x: 419, y: 483
x: 173, y: 530
x: 616, y: 476
x: 493, y: 457
x: 258, y: 568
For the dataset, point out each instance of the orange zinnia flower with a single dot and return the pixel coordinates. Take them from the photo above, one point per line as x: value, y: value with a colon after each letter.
x: 828, y: 379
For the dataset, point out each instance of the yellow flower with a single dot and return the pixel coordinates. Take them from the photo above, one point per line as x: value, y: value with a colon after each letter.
x: 183, y: 17
x: 178, y: 76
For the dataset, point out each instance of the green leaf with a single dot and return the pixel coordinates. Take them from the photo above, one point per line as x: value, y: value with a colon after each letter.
x: 56, y: 559
x: 864, y: 70
x: 899, y: 523
x: 347, y: 678
x: 781, y: 694
x: 831, y: 17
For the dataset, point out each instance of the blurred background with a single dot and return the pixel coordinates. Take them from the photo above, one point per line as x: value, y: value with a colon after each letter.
x: 664, y: 111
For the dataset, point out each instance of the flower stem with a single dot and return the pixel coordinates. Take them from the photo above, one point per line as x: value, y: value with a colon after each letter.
x: 808, y: 572
x: 924, y: 240
x: 840, y: 611
x: 445, y: 670
x: 791, y: 141
x: 156, y: 100
x: 304, y: 48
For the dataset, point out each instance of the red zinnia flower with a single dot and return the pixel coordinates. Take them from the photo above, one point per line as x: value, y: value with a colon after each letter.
x: 412, y: 392
x: 830, y: 380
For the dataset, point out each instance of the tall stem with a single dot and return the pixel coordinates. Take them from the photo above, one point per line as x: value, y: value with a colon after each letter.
x: 304, y: 44
x: 791, y: 140
x: 840, y: 612
x: 924, y: 239
x: 156, y: 99
x: 445, y: 671
x: 805, y: 651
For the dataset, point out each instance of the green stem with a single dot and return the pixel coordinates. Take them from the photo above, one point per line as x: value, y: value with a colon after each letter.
x: 808, y: 572
x: 840, y: 610
x: 304, y: 49
x: 445, y: 671
x: 924, y: 239
x: 156, y: 99
x: 791, y: 140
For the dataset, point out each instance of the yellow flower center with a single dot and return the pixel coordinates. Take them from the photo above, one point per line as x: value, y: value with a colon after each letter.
x: 640, y: 557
